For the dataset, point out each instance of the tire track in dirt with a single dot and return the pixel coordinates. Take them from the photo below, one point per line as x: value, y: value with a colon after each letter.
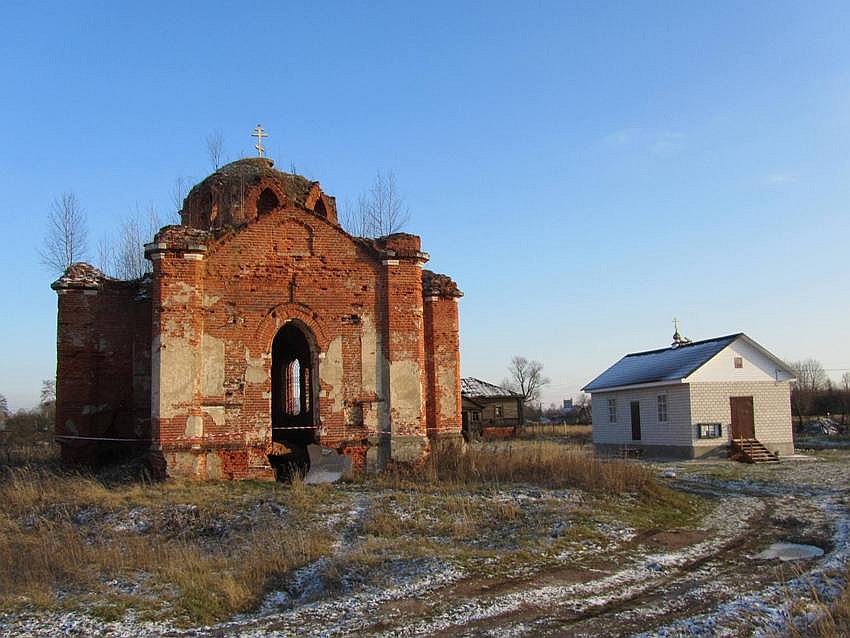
x: 509, y: 602
x: 693, y: 587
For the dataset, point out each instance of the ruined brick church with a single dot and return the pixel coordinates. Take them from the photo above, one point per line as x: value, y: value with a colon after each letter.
x: 264, y: 327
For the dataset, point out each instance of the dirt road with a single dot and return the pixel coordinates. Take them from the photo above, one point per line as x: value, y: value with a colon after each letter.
x: 663, y: 582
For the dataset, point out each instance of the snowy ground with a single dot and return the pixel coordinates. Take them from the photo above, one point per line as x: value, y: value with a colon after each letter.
x: 565, y: 574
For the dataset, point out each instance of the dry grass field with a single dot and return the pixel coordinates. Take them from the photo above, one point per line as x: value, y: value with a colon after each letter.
x: 200, y: 552
x: 534, y: 535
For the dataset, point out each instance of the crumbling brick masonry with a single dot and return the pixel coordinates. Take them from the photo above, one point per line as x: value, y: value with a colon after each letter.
x: 264, y: 327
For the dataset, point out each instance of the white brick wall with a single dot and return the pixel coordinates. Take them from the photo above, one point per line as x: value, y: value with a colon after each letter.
x: 690, y: 404
x: 771, y: 409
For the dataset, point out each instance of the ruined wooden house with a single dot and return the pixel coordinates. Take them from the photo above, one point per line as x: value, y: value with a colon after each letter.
x: 263, y: 327
x: 489, y: 411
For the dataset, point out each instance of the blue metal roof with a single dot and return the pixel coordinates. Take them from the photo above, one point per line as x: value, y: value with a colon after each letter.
x: 668, y: 364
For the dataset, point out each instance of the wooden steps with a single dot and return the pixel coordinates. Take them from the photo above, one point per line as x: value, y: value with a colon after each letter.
x: 751, y: 451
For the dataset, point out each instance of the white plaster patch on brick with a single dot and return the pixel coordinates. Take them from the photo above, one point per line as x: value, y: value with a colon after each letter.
x: 447, y: 378
x: 406, y: 400
x: 184, y: 464
x: 216, y: 413
x: 172, y: 386
x: 330, y: 373
x: 256, y: 370
x: 368, y: 354
x: 194, y: 426
x: 212, y: 379
x: 182, y: 295
x: 213, y: 467
x: 193, y: 256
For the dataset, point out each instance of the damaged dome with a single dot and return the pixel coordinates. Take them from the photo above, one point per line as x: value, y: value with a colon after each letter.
x: 247, y: 188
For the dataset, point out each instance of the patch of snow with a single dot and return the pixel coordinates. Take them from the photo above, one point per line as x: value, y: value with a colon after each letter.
x: 790, y: 551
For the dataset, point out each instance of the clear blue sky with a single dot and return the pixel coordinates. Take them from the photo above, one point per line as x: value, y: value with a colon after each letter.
x: 585, y: 171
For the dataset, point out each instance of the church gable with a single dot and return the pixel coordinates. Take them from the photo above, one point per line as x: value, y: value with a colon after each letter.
x: 290, y: 241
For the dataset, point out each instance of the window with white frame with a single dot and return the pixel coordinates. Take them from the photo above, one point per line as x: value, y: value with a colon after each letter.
x: 662, y: 408
x: 612, y: 410
x: 709, y: 430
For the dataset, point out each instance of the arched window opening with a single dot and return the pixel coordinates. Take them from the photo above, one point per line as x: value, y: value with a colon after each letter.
x: 267, y: 201
x: 293, y: 376
x: 320, y: 209
x: 293, y: 388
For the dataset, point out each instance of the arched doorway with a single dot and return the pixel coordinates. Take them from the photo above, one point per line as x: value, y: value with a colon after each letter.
x: 294, y: 379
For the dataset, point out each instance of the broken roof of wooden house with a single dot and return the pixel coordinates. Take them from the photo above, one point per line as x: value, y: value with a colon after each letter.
x: 476, y: 388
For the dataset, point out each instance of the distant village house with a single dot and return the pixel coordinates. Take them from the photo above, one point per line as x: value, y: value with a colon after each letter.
x: 488, y: 410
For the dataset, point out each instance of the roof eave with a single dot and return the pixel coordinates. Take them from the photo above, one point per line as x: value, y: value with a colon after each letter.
x: 635, y: 386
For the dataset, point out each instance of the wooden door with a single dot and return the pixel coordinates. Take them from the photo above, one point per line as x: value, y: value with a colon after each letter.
x: 743, y: 419
x: 635, y: 420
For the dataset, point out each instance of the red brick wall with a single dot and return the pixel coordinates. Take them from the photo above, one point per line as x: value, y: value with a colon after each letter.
x: 99, y: 393
x: 190, y: 367
x: 442, y: 356
x: 288, y: 265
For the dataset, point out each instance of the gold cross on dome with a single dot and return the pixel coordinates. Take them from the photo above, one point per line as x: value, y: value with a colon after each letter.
x: 259, y: 134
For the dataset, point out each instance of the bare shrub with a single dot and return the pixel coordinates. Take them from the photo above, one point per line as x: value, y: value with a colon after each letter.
x: 542, y: 463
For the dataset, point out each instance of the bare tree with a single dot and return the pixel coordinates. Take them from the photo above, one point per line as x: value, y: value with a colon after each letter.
x: 356, y: 219
x: 123, y: 256
x: 4, y: 407
x: 811, y: 378
x: 65, y: 241
x: 179, y: 190
x: 48, y: 398
x: 379, y: 212
x: 810, y: 374
x: 526, y: 379
x: 215, y: 148
x: 48, y: 391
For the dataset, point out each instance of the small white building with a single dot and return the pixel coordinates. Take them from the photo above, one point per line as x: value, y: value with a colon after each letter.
x: 693, y: 399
